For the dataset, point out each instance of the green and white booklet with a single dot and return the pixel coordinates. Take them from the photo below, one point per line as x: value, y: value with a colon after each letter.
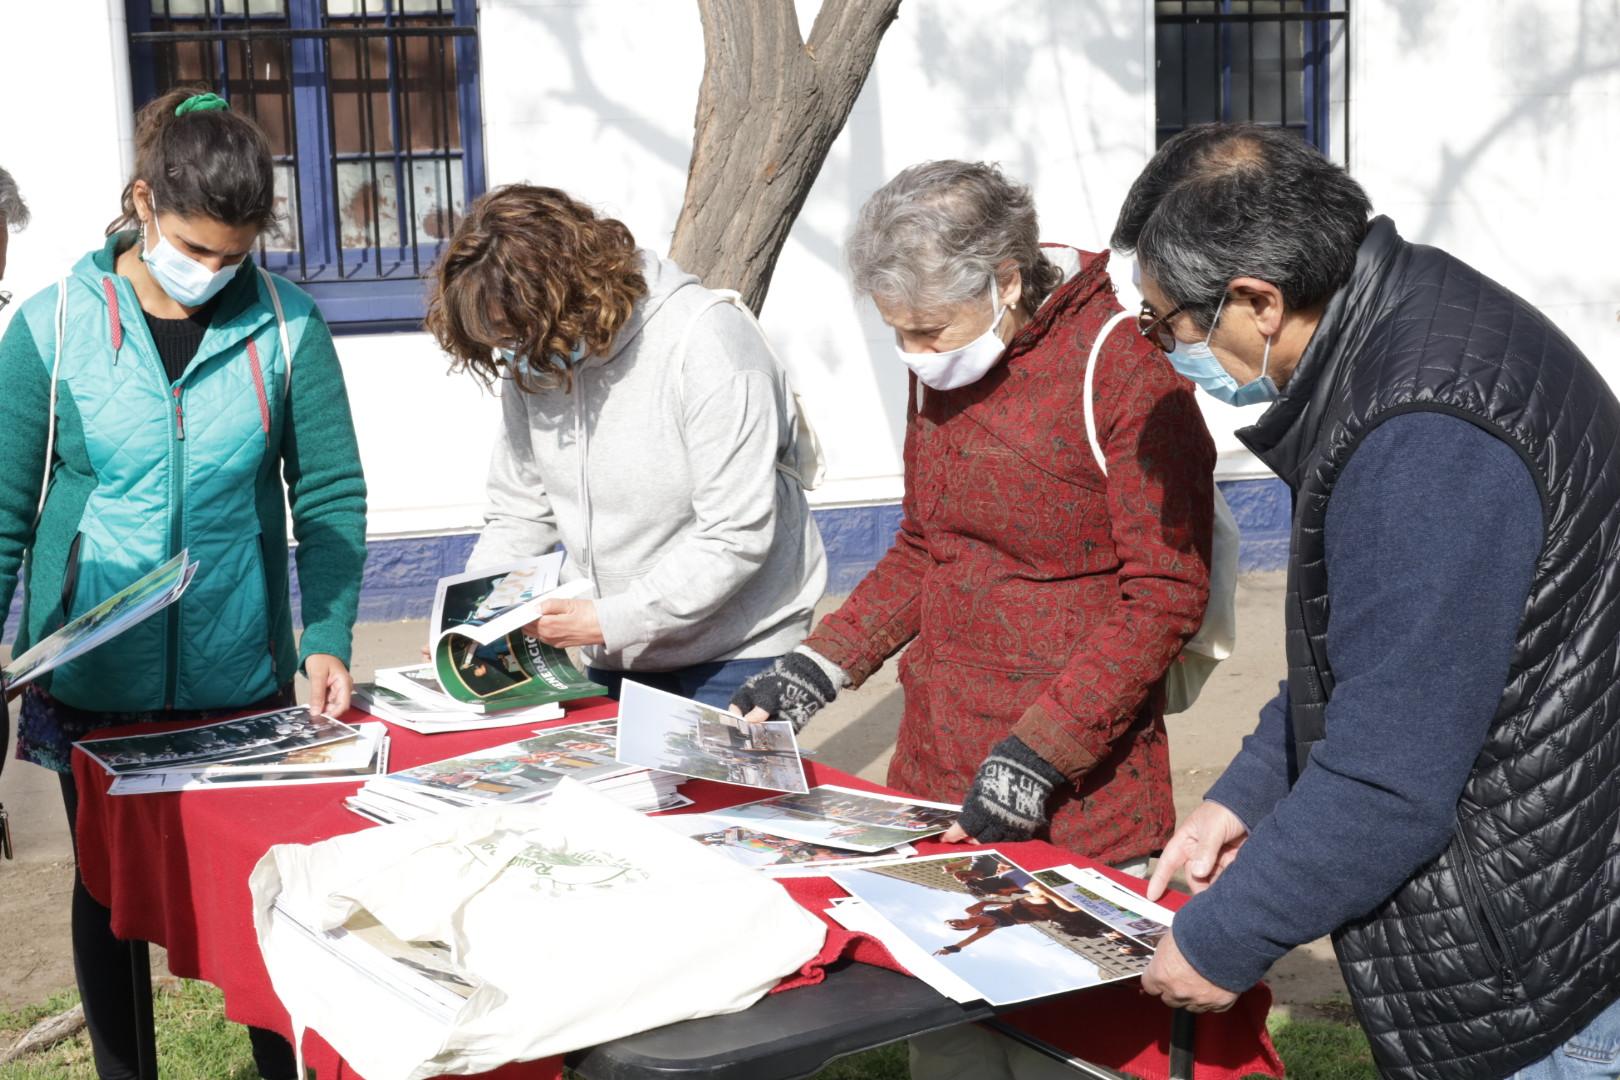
x: 480, y: 655
x: 146, y: 596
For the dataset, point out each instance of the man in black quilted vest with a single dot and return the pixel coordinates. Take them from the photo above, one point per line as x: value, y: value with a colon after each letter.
x: 1435, y: 784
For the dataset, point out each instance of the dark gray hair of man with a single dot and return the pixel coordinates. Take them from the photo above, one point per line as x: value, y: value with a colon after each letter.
x: 1224, y: 201
x: 934, y: 235
x: 13, y: 211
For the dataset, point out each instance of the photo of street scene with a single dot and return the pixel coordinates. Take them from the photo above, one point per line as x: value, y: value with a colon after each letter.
x: 988, y: 921
x: 1109, y: 902
x: 246, y: 739
x: 845, y: 818
x: 678, y: 735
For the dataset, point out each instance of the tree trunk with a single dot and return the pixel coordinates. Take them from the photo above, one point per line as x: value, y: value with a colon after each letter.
x: 769, y: 109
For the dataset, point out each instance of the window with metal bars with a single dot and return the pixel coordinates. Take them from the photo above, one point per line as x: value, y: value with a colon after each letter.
x: 1279, y: 62
x: 372, y: 111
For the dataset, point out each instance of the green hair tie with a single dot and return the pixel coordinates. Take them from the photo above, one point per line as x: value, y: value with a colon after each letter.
x: 201, y: 103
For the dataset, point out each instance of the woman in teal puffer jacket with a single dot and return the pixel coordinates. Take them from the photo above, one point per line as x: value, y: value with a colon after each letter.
x: 193, y: 396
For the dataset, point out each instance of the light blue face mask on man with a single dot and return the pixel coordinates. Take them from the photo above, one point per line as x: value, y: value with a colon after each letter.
x: 1198, y: 363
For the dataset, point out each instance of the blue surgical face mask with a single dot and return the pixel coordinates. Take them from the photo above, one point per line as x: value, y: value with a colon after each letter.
x: 188, y: 282
x: 515, y: 359
x: 1198, y: 363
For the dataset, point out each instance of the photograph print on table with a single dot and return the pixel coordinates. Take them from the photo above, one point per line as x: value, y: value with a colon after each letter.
x: 247, y: 738
x: 658, y: 730
x: 774, y: 855
x: 517, y: 771
x: 990, y: 924
x: 846, y: 818
x: 1109, y: 901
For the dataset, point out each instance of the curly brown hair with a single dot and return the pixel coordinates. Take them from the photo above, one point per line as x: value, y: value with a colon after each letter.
x: 531, y: 269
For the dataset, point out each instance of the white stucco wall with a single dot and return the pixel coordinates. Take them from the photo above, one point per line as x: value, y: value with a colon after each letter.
x: 1490, y: 129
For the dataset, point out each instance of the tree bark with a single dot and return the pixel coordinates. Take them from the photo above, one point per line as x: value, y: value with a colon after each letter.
x: 770, y: 106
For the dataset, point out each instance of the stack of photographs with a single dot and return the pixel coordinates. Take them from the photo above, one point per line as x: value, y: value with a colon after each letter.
x: 525, y: 771
x: 363, y: 757
x: 675, y: 734
x: 281, y: 747
x: 440, y: 713
x: 977, y: 926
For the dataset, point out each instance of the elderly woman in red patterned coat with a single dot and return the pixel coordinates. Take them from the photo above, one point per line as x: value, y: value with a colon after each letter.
x: 1043, y: 602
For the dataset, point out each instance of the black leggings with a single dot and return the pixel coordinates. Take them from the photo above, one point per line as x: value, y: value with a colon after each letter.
x: 105, y: 971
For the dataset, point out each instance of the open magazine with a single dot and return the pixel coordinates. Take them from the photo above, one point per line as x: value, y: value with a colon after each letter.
x: 480, y: 654
x: 150, y: 594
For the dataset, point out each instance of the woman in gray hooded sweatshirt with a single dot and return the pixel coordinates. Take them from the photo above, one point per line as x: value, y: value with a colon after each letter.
x: 647, y: 428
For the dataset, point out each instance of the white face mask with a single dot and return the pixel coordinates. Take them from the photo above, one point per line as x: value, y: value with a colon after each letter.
x: 963, y: 366
x: 188, y: 282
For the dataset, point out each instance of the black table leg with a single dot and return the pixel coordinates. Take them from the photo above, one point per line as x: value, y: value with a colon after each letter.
x: 140, y: 961
x: 1182, y: 1030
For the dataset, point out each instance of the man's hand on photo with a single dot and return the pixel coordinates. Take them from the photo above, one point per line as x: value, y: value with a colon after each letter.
x: 1174, y: 981
x: 1205, y: 843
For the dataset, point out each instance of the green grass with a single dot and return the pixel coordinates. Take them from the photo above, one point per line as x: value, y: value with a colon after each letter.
x: 1323, y: 1049
x: 196, y: 1042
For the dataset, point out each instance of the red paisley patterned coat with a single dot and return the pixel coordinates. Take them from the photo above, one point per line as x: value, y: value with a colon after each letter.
x: 1044, y: 600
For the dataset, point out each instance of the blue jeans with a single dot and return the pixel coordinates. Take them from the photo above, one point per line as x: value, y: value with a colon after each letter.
x: 1592, y: 1053
x: 712, y: 683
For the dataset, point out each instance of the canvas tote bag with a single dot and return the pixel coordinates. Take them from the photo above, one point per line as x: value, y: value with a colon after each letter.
x: 577, y: 921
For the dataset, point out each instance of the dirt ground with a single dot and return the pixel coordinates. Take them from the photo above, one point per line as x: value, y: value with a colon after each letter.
x: 856, y: 733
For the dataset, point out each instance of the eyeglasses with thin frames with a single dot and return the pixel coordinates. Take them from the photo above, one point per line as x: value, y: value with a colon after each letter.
x: 1156, y: 327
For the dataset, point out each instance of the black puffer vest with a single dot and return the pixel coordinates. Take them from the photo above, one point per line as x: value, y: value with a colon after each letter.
x: 1492, y: 955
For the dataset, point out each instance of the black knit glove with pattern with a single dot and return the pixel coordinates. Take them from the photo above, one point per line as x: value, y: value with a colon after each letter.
x: 1009, y: 797
x: 794, y: 688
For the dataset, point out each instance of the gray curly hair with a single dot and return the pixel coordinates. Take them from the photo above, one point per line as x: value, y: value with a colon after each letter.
x: 13, y: 211
x: 935, y: 234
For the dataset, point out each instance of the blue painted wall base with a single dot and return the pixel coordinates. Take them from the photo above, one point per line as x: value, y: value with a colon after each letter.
x: 400, y: 574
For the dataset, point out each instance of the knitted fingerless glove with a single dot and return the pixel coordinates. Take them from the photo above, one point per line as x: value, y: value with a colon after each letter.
x: 1009, y: 797
x: 794, y: 688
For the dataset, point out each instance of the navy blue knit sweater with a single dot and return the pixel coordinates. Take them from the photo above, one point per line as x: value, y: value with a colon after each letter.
x: 1433, y: 530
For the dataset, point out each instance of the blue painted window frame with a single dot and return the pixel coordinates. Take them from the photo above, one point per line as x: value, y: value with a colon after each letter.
x: 346, y: 283
x: 1316, y: 77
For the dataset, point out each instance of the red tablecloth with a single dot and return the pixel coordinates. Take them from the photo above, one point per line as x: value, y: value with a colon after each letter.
x: 174, y: 868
